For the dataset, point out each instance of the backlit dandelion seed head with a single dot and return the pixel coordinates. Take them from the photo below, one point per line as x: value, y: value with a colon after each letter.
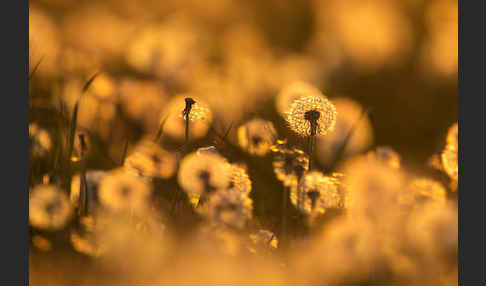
x: 289, y: 164
x: 40, y: 139
x: 49, y: 208
x: 423, y: 190
x: 257, y: 136
x: 200, y: 118
x: 203, y: 174
x: 121, y: 191
x: 149, y: 160
x: 291, y: 92
x: 228, y: 209
x: 239, y: 180
x: 312, y: 114
x: 315, y: 193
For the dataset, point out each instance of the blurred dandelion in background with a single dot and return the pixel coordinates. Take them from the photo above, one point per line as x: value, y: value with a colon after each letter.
x: 49, y: 208
x: 239, y: 180
x: 257, y: 136
x: 40, y: 140
x: 202, y: 174
x: 289, y: 164
x: 228, y: 209
x: 121, y: 191
x: 315, y: 193
x: 150, y: 160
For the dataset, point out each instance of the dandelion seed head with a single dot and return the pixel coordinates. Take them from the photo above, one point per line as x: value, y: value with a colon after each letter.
x: 239, y: 180
x: 257, y: 136
x: 49, y: 208
x: 122, y: 191
x: 40, y: 140
x: 228, y: 209
x: 289, y: 164
x: 200, y: 118
x: 148, y: 159
x: 315, y: 193
x: 312, y: 115
x: 204, y: 173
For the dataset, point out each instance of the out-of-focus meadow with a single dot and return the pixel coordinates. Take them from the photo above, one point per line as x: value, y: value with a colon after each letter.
x: 251, y: 142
